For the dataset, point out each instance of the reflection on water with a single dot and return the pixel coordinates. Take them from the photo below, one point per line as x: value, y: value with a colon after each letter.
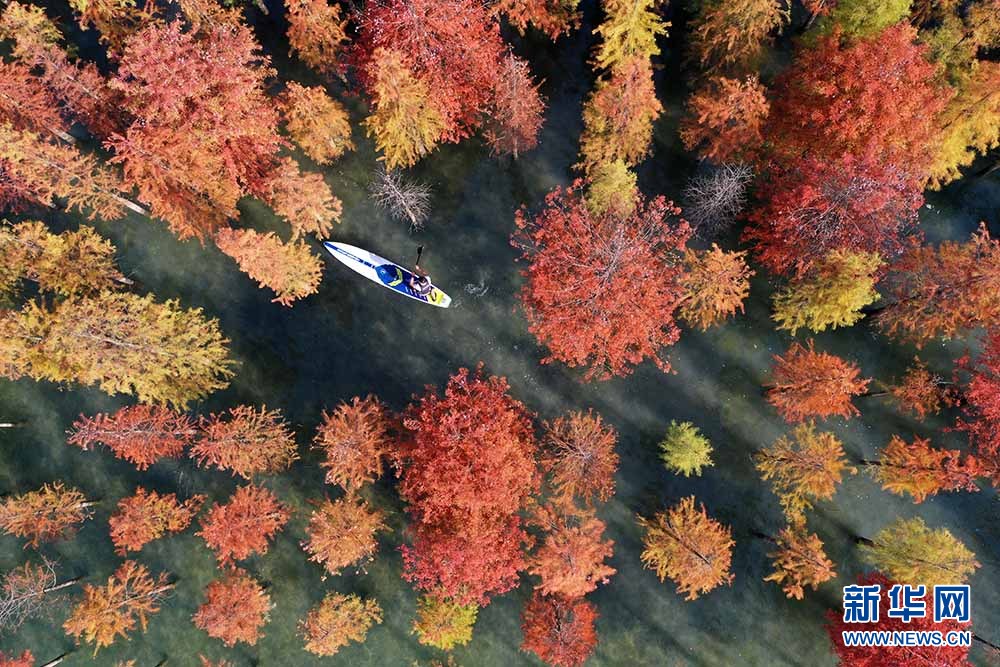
x: 355, y: 337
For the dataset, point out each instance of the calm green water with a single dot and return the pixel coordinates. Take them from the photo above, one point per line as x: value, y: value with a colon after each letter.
x: 355, y: 337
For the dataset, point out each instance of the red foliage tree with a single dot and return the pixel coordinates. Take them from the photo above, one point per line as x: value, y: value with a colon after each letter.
x: 516, y: 114
x: 468, y: 468
x: 864, y: 656
x: 807, y: 384
x: 559, y: 631
x: 246, y: 441
x: 877, y: 96
x: 725, y: 118
x: 851, y: 132
x: 236, y: 608
x: 452, y: 45
x: 26, y: 103
x: 140, y: 434
x: 147, y: 516
x: 588, y: 294
x: 244, y: 525
x: 817, y: 204
x: 26, y: 659
x: 981, y: 418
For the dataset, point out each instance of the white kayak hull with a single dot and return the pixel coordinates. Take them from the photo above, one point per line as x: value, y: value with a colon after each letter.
x: 386, y: 273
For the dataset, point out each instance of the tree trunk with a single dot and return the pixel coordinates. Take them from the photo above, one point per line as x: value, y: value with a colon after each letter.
x: 8, y: 424
x: 858, y: 539
x: 53, y: 663
x: 873, y: 394
x: 986, y: 642
x: 59, y: 587
x: 763, y: 536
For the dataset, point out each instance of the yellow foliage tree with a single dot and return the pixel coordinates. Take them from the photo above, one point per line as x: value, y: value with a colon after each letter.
x: 68, y: 263
x: 443, y: 623
x: 832, y: 295
x: 629, y: 32
x: 907, y: 550
x: 318, y: 123
x: 970, y: 124
x: 404, y: 122
x: 612, y: 189
x: 120, y: 342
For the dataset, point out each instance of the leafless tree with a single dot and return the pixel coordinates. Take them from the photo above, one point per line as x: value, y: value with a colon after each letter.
x: 713, y: 201
x: 27, y: 591
x: 402, y: 199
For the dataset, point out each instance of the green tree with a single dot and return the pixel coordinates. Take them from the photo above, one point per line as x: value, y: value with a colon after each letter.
x: 907, y: 550
x: 832, y: 295
x: 684, y: 450
x: 859, y: 18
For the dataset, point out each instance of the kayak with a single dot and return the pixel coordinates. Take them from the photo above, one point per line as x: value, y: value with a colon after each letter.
x: 385, y: 273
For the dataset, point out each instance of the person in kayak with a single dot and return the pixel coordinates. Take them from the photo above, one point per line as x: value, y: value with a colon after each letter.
x: 419, y: 282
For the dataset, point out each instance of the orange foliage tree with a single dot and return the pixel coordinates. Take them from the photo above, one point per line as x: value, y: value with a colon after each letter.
x: 41, y: 171
x: 318, y: 123
x: 516, y: 114
x: 806, y: 383
x: 245, y: 441
x: 552, y: 17
x: 337, y: 621
x: 467, y: 468
x: 579, y: 455
x: 922, y: 392
x: 733, y: 33
x: 944, y: 290
x: 799, y: 561
x: 244, y: 525
x: 725, y: 119
x: 587, y: 293
x: 301, y: 198
x: 26, y: 103
x: 618, y: 117
x: 140, y: 434
x: 715, y: 283
x: 922, y: 471
x: 354, y: 439
x: 342, y: 533
x: 805, y: 467
x: 148, y: 515
x: 105, y: 612
x: 560, y: 631
x: 317, y: 33
x: 453, y: 46
x: 570, y: 558
x: 688, y: 546
x: 52, y: 512
x: 291, y: 270
x: 236, y: 607
x: 82, y: 92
